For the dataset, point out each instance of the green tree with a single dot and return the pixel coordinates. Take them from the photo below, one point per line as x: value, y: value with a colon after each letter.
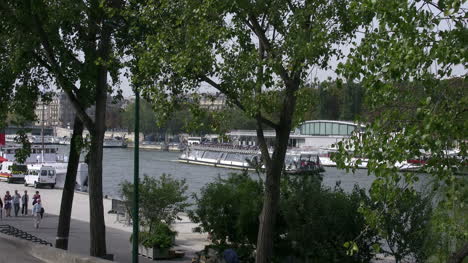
x: 405, y: 226
x: 72, y: 45
x: 313, y: 216
x: 148, y: 120
x: 258, y: 54
x: 406, y: 62
x: 310, y: 216
x: 161, y: 199
x: 228, y: 210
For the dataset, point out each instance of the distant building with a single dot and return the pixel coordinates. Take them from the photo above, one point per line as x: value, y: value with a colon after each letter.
x: 58, y: 113
x: 48, y: 113
x: 213, y: 102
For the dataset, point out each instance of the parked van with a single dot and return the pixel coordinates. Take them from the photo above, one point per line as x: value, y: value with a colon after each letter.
x: 41, y: 175
x: 12, y: 172
x: 194, y: 140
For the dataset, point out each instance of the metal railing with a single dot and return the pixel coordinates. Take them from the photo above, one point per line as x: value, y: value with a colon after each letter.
x: 13, y: 231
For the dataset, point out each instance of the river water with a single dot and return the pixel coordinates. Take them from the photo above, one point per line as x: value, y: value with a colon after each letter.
x: 118, y: 166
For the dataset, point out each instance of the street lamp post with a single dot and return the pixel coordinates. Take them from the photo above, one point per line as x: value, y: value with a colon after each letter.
x: 136, y: 178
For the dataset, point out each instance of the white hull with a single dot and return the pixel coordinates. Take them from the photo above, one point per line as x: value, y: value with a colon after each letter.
x: 403, y: 166
x: 242, y: 159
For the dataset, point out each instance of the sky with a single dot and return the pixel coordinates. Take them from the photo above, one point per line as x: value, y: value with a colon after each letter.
x: 321, y: 75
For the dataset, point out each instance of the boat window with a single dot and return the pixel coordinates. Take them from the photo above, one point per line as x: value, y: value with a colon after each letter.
x: 44, y: 173
x: 350, y: 129
x: 328, y: 128
x: 212, y: 155
x: 335, y: 128
x: 53, y: 151
x: 236, y: 157
x: 316, y: 128
x: 46, y: 150
x: 322, y: 129
x: 343, y: 129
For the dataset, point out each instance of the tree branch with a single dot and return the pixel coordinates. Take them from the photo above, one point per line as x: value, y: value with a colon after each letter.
x: 63, y: 81
x: 235, y: 101
x: 260, y: 33
x: 44, y: 63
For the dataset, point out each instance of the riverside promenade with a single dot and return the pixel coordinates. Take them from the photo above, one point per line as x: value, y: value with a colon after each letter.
x: 117, y: 233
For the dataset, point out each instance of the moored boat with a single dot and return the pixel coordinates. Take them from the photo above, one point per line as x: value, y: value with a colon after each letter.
x: 47, y: 155
x: 115, y: 142
x: 226, y: 156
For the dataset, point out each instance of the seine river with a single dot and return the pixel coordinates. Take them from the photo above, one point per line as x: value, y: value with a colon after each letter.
x: 118, y: 166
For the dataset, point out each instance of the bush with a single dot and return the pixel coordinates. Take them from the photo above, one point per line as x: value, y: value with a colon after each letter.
x: 161, y: 199
x: 316, y: 222
x: 313, y: 223
x: 406, y: 225
x: 228, y: 210
x: 161, y: 236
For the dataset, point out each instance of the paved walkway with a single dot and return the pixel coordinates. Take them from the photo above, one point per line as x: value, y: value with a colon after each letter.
x: 117, y: 234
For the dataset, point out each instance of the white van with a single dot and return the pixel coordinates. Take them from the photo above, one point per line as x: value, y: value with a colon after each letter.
x: 194, y: 140
x: 12, y: 172
x: 41, y: 175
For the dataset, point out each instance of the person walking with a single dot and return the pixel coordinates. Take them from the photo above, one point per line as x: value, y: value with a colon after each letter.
x: 24, y: 203
x: 16, y: 202
x: 36, y: 211
x: 7, y: 201
x: 36, y: 197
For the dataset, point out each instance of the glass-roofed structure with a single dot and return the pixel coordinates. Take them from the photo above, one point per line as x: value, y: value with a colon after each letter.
x: 313, y: 134
x: 327, y: 128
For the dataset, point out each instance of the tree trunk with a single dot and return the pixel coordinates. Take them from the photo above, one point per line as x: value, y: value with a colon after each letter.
x: 460, y: 255
x: 273, y: 174
x: 268, y: 215
x: 97, y: 224
x: 63, y: 229
x: 96, y: 207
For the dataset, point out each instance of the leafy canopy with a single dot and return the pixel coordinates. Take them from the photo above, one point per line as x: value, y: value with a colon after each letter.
x: 405, y: 62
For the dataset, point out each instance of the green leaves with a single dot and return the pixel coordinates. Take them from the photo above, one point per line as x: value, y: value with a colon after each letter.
x: 406, y: 63
x: 23, y: 153
x: 161, y: 199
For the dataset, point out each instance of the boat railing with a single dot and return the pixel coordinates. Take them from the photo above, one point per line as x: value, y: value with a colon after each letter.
x: 225, y: 148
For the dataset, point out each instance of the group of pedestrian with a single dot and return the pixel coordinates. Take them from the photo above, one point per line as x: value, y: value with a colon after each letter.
x: 17, y: 201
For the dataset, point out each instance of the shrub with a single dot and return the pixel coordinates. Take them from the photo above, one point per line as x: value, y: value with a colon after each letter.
x: 161, y: 199
x: 228, y: 210
x: 406, y: 225
x: 161, y: 236
x: 313, y: 223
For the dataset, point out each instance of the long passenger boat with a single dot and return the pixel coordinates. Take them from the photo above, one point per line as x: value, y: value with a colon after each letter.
x: 227, y: 156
